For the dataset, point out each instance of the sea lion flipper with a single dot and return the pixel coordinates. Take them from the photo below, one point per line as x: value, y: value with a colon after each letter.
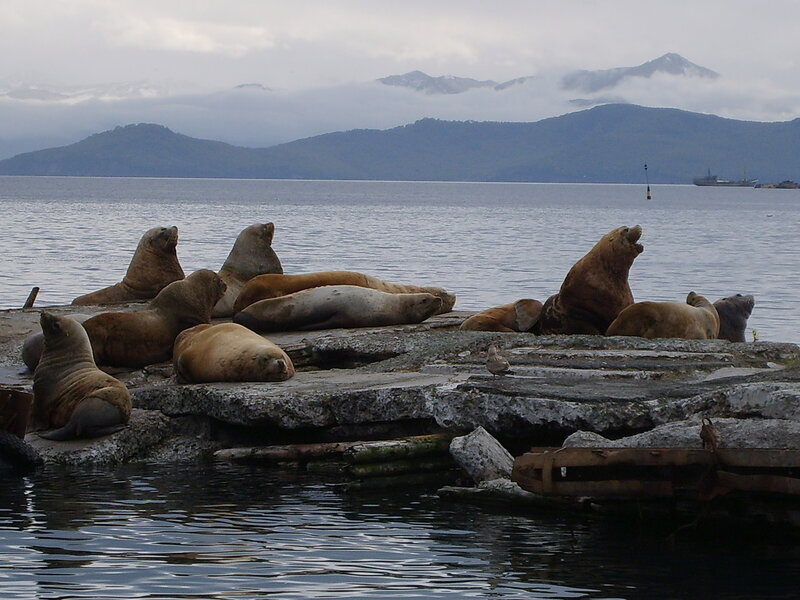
x: 93, y: 417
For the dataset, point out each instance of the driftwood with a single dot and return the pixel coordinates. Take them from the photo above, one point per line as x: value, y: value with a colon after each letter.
x: 288, y: 453
x: 390, y: 450
x: 356, y: 452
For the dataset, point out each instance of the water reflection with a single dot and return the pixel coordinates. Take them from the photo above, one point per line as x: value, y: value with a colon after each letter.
x: 222, y: 531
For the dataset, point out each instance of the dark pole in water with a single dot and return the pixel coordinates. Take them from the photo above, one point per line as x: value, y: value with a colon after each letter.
x: 31, y: 298
x: 647, y: 179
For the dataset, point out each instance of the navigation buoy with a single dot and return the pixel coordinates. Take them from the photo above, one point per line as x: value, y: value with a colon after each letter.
x: 647, y: 179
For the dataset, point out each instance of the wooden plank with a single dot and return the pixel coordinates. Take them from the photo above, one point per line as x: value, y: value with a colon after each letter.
x: 759, y: 483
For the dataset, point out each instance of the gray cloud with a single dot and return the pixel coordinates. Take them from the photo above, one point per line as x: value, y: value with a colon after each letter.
x: 319, y: 60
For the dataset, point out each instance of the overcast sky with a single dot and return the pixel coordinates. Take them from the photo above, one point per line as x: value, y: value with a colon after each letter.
x: 305, y: 43
x: 294, y: 47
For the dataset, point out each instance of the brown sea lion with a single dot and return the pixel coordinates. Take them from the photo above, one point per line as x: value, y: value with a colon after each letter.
x: 263, y: 287
x: 69, y: 391
x: 33, y: 345
x: 333, y: 306
x: 154, y: 266
x: 251, y: 255
x: 228, y: 352
x: 595, y: 289
x: 697, y: 319
x: 733, y: 313
x: 517, y: 316
x: 136, y: 339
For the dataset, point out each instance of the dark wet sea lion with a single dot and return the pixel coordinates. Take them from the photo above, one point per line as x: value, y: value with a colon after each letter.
x: 154, y: 266
x: 69, y: 391
x: 263, y: 287
x: 733, y: 314
x: 335, y: 306
x: 595, y: 289
x: 136, y: 339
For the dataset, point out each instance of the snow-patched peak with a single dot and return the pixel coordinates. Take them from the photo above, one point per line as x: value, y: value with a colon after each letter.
x: 670, y: 63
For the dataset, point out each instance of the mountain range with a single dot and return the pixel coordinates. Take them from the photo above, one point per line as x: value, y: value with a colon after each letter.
x: 609, y: 143
x: 259, y: 114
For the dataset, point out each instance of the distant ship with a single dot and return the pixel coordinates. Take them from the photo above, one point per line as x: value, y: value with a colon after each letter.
x: 713, y: 180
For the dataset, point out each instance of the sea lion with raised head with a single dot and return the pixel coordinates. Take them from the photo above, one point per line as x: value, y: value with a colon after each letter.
x: 154, y: 266
x: 251, y: 255
x: 697, y: 319
x: 69, y: 391
x: 516, y: 316
x: 263, y: 287
x: 595, y: 289
x: 33, y: 345
x: 228, y: 352
x: 733, y: 313
x: 136, y: 339
x: 335, y: 306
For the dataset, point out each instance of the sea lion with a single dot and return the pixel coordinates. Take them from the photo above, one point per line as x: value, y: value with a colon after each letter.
x: 228, y: 352
x: 263, y: 287
x: 733, y: 313
x: 136, y: 339
x: 516, y: 316
x: 333, y: 306
x: 154, y: 266
x: 33, y: 345
x: 251, y: 255
x: 697, y: 319
x: 69, y: 391
x: 595, y: 289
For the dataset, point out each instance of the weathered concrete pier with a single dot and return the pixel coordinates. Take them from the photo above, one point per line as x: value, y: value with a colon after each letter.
x: 408, y: 380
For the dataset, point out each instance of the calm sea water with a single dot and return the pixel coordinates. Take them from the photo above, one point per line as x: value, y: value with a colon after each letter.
x: 488, y: 243
x: 244, y: 532
x: 221, y: 531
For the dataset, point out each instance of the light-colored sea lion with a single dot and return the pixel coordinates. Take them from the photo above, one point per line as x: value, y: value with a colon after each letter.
x: 33, y: 345
x: 595, y: 289
x: 733, y: 313
x: 516, y: 316
x: 69, y: 391
x: 333, y: 306
x: 136, y: 339
x: 251, y: 255
x: 263, y: 287
x: 154, y: 266
x: 697, y: 319
x: 228, y: 352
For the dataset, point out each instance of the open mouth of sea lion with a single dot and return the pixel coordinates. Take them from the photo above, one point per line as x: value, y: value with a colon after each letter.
x: 633, y: 234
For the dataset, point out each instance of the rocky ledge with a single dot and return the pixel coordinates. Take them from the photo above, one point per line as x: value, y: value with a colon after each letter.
x: 407, y: 380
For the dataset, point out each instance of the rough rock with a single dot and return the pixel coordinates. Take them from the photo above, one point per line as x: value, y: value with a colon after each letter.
x: 733, y: 433
x: 145, y: 430
x: 411, y: 379
x: 482, y: 456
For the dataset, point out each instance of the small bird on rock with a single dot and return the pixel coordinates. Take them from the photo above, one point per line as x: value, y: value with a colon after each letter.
x: 496, y: 362
x: 709, y: 435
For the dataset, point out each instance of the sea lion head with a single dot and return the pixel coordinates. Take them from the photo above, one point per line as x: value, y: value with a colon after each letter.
x: 423, y: 305
x: 192, y: 298
x: 625, y: 240
x: 252, y: 253
x: 733, y: 314
x: 155, y: 261
x: 164, y: 239
x: 60, y: 331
